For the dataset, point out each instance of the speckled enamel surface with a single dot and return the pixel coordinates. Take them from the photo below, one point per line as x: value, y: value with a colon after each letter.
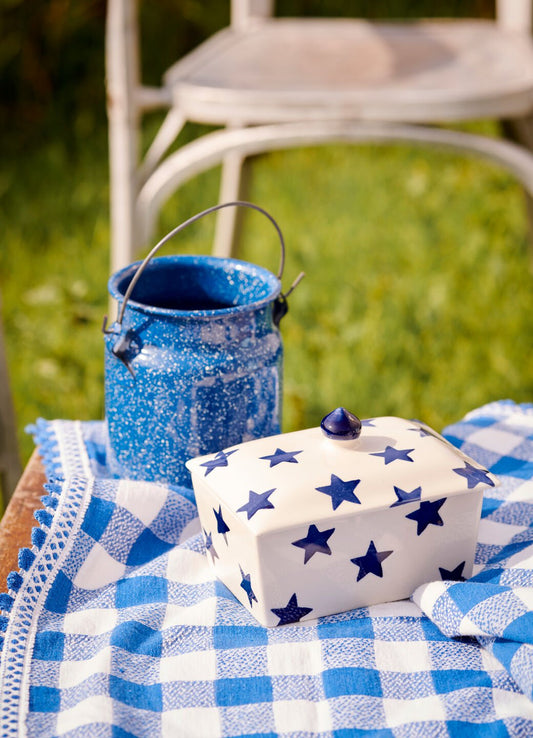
x: 206, y: 359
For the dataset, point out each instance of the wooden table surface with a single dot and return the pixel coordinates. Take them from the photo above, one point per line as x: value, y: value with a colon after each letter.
x: 18, y: 520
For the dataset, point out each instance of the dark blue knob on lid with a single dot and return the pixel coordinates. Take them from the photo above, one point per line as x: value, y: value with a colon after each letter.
x: 341, y: 425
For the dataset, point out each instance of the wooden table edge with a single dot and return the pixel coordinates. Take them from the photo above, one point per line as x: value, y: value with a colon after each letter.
x: 18, y: 520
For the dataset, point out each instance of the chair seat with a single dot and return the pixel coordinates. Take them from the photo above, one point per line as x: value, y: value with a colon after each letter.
x: 421, y: 72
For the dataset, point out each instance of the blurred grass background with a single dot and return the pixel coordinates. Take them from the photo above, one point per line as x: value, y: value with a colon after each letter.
x: 417, y: 299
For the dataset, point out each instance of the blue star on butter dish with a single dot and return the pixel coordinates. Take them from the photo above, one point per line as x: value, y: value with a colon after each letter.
x: 246, y: 584
x: 427, y: 514
x: 280, y: 457
x: 292, y: 612
x: 340, y: 491
x: 222, y: 526
x: 257, y: 501
x: 220, y: 459
x: 403, y: 497
x: 391, y: 454
x: 316, y: 541
x: 474, y: 475
x: 370, y: 563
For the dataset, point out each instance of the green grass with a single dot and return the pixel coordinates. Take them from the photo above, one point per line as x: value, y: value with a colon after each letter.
x: 417, y: 300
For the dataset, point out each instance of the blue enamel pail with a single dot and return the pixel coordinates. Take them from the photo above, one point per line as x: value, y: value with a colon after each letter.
x: 193, y: 363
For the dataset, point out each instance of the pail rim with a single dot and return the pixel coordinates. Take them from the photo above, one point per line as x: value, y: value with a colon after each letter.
x: 118, y: 284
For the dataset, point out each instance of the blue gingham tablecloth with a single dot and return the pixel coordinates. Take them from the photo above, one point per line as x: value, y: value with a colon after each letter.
x: 114, y: 625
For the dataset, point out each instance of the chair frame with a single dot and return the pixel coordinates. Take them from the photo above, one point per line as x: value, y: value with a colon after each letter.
x: 139, y: 189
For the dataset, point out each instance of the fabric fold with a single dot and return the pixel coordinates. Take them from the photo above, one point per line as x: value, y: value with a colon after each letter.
x: 495, y: 606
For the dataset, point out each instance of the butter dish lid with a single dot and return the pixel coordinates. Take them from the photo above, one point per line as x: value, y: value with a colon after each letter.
x: 346, y: 466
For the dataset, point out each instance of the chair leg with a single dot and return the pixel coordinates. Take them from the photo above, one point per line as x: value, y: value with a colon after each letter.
x: 520, y: 131
x: 122, y: 77
x: 123, y: 150
x: 123, y: 194
x: 165, y: 136
x: 10, y: 467
x: 234, y: 184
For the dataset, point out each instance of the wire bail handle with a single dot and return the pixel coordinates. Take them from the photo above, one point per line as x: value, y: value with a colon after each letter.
x: 280, y: 305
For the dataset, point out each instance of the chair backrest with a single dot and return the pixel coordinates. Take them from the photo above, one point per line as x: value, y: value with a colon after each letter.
x: 512, y: 15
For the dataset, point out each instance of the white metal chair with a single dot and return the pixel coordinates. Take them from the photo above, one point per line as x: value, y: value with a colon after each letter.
x: 277, y: 82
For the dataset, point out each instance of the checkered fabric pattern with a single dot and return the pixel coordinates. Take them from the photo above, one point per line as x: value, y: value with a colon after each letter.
x: 496, y: 605
x: 114, y: 626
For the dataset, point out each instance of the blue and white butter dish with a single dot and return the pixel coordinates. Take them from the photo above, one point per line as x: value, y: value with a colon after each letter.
x: 349, y: 514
